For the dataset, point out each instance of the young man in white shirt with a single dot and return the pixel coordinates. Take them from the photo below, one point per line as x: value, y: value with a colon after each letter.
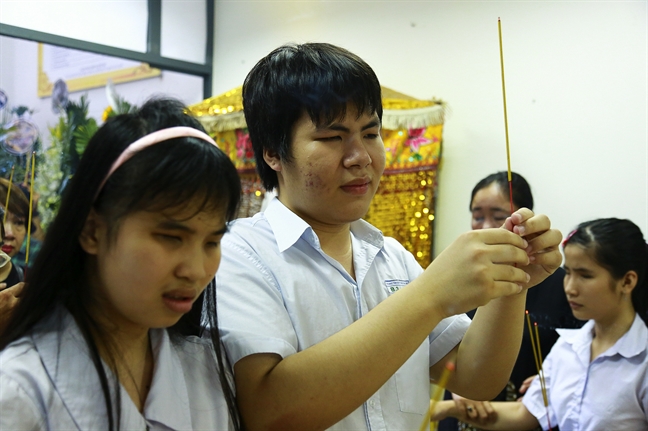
x: 327, y: 323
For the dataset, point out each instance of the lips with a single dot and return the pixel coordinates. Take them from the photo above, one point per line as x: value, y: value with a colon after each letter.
x: 575, y: 305
x: 7, y: 248
x: 179, y: 300
x: 358, y: 186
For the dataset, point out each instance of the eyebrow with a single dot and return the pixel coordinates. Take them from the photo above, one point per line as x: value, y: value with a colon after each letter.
x: 174, y: 225
x: 493, y: 208
x: 339, y: 127
x: 580, y: 269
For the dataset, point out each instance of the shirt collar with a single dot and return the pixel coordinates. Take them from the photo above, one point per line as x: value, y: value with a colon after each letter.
x: 66, y: 356
x: 632, y: 343
x: 168, y: 388
x: 288, y: 227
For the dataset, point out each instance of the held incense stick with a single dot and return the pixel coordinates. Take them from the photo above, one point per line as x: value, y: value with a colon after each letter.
x: 31, y: 200
x: 438, y: 393
x: 508, y: 153
x: 4, y: 218
x: 537, y: 356
x: 543, y: 384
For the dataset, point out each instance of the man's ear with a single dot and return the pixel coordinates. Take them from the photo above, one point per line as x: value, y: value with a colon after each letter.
x: 92, y: 231
x: 272, y: 159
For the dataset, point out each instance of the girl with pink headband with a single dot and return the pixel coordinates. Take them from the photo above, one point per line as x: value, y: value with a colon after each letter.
x: 108, y: 331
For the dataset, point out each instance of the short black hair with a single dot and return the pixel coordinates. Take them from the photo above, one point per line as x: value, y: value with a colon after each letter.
x: 522, y: 197
x: 317, y: 78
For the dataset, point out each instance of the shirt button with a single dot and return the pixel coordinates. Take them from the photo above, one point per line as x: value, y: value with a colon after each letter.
x: 371, y: 403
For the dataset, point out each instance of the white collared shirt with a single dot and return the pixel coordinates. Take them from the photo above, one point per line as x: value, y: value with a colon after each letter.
x: 278, y: 292
x: 608, y: 393
x: 48, y: 382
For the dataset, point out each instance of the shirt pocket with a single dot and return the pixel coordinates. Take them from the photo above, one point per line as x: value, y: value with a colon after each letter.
x: 413, y: 382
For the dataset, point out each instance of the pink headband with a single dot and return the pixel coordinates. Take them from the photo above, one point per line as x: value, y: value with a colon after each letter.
x: 566, y: 240
x: 154, y: 138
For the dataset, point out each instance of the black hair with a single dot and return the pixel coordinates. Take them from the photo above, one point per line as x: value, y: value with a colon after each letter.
x: 618, y: 246
x: 18, y: 201
x: 522, y: 197
x: 317, y: 78
x: 163, y: 176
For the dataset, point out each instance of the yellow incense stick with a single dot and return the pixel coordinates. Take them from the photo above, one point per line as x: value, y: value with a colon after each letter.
x: 533, y: 344
x: 508, y: 152
x: 541, y: 371
x: 4, y: 218
x: 31, y: 200
x: 438, y: 393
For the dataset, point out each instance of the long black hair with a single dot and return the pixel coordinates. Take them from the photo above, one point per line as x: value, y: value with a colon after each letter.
x: 163, y: 176
x: 618, y: 246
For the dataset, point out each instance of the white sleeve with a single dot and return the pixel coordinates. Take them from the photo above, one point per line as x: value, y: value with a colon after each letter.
x: 18, y: 411
x: 533, y: 399
x: 252, y: 317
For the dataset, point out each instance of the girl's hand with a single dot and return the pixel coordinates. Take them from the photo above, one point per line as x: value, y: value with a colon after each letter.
x: 8, y: 301
x: 525, y: 385
x: 479, y: 412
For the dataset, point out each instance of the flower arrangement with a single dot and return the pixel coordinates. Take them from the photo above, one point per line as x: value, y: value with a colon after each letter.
x: 69, y: 139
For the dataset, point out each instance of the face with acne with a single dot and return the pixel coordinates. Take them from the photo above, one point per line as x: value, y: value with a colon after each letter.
x: 149, y: 271
x: 335, y: 170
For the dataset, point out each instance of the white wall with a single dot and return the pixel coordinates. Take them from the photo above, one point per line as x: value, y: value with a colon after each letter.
x: 576, y: 79
x: 121, y: 24
x: 19, y: 80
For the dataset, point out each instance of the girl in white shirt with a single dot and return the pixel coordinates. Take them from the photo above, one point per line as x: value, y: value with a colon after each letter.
x: 133, y: 251
x: 597, y: 376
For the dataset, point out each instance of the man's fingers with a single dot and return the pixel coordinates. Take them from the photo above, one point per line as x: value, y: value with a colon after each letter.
x: 549, y: 240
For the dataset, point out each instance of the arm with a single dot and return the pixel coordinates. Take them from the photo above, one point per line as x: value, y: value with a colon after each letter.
x: 503, y: 416
x: 486, y: 355
x: 317, y: 387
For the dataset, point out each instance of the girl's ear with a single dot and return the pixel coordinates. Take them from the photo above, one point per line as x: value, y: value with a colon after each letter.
x: 629, y: 281
x: 272, y: 159
x: 91, y: 233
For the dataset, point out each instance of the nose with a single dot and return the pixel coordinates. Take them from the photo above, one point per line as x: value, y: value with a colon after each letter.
x: 356, y: 153
x: 193, y: 266
x: 569, y: 286
x: 489, y: 223
x: 9, y: 233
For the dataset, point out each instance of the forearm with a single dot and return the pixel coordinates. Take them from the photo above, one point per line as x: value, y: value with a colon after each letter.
x: 510, y: 416
x: 317, y: 387
x: 489, y: 349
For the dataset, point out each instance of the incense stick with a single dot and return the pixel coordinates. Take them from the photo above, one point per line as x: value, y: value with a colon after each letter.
x: 537, y: 356
x: 438, y: 393
x: 4, y: 217
x: 543, y: 384
x: 31, y: 200
x: 508, y: 152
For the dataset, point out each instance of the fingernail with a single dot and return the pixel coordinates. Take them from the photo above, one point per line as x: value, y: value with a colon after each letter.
x: 525, y: 244
x: 528, y: 277
x: 532, y: 258
x: 521, y: 230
